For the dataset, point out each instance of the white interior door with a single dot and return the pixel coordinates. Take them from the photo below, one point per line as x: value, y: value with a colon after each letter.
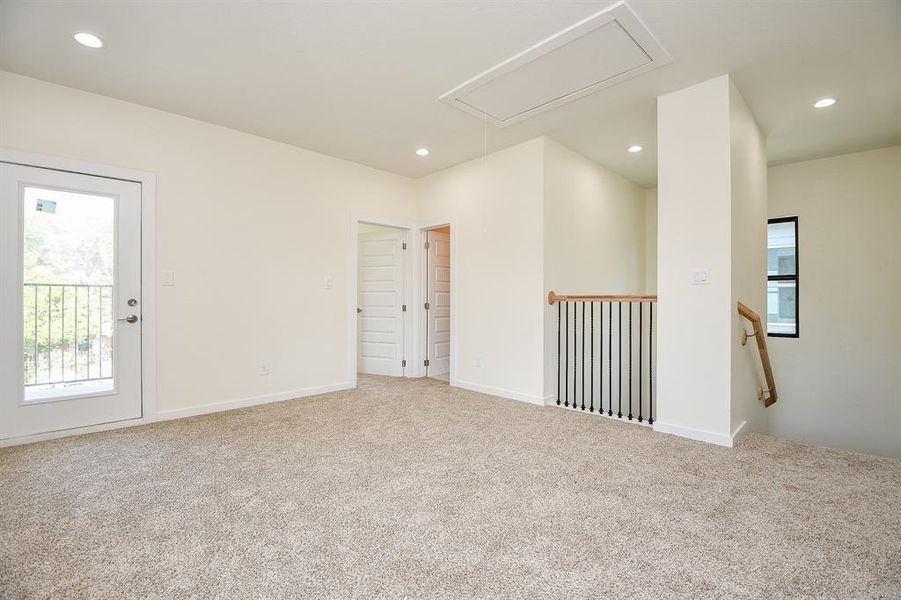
x: 438, y: 287
x: 70, y: 292
x: 380, y: 297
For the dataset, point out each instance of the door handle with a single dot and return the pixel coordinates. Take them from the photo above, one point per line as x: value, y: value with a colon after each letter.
x: 129, y: 319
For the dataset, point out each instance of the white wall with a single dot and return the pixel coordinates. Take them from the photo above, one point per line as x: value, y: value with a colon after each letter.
x: 840, y: 381
x: 694, y: 232
x: 494, y: 206
x: 749, y: 215
x: 712, y: 216
x: 650, y: 240
x: 594, y: 237
x: 251, y: 227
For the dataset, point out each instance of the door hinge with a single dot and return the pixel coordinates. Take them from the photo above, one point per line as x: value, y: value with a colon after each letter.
x: 403, y: 308
x: 403, y: 363
x: 425, y: 362
x: 427, y: 306
x: 427, y: 245
x: 404, y: 246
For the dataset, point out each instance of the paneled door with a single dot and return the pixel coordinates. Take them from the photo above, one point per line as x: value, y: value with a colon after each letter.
x: 438, y: 284
x: 380, y: 285
x: 70, y: 293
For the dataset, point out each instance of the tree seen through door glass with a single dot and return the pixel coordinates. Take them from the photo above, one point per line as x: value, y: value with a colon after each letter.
x: 68, y: 293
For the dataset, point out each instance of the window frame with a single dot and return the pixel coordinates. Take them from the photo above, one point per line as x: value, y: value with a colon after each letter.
x: 796, y: 277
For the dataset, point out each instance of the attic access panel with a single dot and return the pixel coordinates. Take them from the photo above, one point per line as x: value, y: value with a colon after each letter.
x: 598, y: 52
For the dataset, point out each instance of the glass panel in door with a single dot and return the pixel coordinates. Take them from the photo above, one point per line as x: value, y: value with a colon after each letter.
x: 68, y: 295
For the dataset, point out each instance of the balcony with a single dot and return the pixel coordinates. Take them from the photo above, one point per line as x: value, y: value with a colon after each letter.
x: 68, y: 339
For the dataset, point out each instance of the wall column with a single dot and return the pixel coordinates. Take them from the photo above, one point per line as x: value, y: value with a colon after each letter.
x: 711, y: 247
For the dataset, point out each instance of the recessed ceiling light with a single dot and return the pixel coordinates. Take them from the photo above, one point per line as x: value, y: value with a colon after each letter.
x: 635, y: 148
x: 824, y: 103
x: 88, y: 39
x: 422, y: 152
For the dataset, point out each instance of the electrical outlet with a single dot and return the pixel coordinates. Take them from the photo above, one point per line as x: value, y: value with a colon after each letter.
x: 265, y: 369
x: 478, y: 362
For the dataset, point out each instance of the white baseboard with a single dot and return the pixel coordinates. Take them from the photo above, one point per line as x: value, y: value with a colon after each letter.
x: 493, y: 391
x: 695, y: 434
x: 203, y: 409
x: 739, y: 432
x: 179, y: 413
x: 550, y: 399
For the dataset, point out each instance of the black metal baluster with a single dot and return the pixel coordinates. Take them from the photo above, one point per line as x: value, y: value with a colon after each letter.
x: 630, y: 361
x: 566, y: 370
x: 75, y: 333
x: 610, y: 359
x: 62, y: 337
x: 591, y: 380
x: 35, y: 289
x: 90, y: 345
x: 100, y: 335
x: 620, y: 363
x: 583, y: 355
x: 575, y: 354
x: 601, y: 361
x: 49, y: 334
x: 559, y: 336
x: 651, y: 365
x: 640, y: 349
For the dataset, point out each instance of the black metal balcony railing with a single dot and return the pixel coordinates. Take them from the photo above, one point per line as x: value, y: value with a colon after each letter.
x: 68, y: 333
x: 616, y: 374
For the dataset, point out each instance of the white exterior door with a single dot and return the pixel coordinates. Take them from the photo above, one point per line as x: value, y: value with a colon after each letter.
x: 380, y: 297
x: 70, y: 292
x: 438, y: 284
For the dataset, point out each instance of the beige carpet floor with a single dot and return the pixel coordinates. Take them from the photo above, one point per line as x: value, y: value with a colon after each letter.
x: 416, y: 489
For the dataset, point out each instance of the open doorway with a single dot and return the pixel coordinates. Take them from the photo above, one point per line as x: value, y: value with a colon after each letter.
x: 381, y: 299
x: 436, y: 262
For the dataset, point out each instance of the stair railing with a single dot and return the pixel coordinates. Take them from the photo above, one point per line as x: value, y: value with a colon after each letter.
x: 621, y: 382
x: 768, y: 396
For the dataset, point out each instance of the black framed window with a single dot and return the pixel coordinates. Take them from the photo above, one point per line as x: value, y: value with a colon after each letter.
x: 782, y: 277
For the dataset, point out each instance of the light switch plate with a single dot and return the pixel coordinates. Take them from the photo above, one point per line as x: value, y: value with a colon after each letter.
x: 168, y: 278
x: 329, y: 282
x: 700, y: 277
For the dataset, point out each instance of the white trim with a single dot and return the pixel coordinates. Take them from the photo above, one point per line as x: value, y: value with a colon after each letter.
x: 739, y: 432
x: 493, y: 391
x: 455, y: 320
x: 148, y: 297
x: 552, y: 401
x: 618, y: 12
x: 694, y: 434
x: 215, y: 407
x: 147, y: 180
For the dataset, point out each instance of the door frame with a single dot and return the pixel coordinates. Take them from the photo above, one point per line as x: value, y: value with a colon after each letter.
x: 423, y: 330
x: 147, y: 181
x: 411, y: 326
x: 414, y: 267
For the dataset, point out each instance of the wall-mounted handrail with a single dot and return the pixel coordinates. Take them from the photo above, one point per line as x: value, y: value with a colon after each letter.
x: 553, y: 298
x: 770, y: 396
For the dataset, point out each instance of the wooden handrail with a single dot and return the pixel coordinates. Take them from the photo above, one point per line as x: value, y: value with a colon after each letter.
x: 769, y: 398
x: 553, y: 298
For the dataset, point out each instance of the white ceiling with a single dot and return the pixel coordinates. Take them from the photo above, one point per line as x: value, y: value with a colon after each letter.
x: 362, y: 80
